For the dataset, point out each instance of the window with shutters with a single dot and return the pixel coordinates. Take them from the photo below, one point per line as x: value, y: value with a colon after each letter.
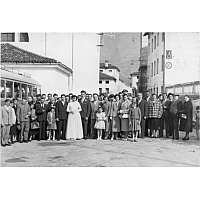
x: 24, y: 37
x: 157, y: 65
x: 7, y: 37
x: 157, y: 39
x: 163, y: 62
x: 154, y: 42
x: 154, y: 68
x: 163, y: 37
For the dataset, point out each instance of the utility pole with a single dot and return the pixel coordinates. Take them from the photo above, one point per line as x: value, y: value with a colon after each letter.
x: 72, y: 60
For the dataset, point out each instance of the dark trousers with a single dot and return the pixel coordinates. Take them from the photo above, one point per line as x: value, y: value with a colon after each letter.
x: 142, y: 124
x: 62, y: 124
x: 171, y: 126
x: 89, y: 127
x: 175, y: 128
x: 43, y: 131
x: 84, y: 124
x: 167, y: 125
x: 147, y: 126
x: 162, y: 124
x: 93, y: 130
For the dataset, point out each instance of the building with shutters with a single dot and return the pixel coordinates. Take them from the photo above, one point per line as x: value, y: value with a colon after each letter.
x: 109, y: 79
x: 173, y: 62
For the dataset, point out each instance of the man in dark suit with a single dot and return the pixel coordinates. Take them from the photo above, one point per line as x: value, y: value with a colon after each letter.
x: 168, y: 119
x: 142, y: 104
x: 85, y: 113
x: 15, y: 106
x: 41, y: 111
x: 61, y: 116
x: 175, y: 108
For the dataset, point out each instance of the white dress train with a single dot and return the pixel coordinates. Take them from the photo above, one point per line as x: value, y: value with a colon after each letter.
x: 74, y: 125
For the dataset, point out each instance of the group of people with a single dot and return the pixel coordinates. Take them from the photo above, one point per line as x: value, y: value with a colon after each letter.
x: 120, y: 116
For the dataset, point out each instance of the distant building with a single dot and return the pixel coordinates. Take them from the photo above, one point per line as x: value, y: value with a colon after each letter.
x: 78, y: 51
x: 109, y: 81
x: 142, y: 79
x: 53, y: 76
x: 134, y: 78
x: 123, y: 50
x: 173, y: 62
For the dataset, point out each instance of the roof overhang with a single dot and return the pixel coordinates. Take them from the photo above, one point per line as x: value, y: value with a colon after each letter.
x: 146, y: 33
x: 134, y: 74
x: 59, y: 66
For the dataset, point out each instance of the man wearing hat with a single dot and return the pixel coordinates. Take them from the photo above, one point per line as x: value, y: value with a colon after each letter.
x: 175, y: 107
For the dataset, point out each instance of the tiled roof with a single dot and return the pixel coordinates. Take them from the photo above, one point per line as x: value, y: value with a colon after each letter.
x: 13, y: 54
x: 102, y: 66
x: 103, y: 76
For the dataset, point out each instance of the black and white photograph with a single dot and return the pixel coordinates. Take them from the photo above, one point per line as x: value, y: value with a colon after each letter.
x: 124, y: 99
x: 100, y: 99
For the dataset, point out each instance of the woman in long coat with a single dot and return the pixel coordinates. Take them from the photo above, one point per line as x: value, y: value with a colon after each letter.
x: 124, y: 109
x: 186, y: 117
x: 114, y: 117
x: 106, y: 108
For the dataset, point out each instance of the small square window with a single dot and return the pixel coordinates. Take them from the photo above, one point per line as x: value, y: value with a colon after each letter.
x: 100, y: 82
x: 101, y: 70
x: 107, y: 82
x: 110, y: 70
x: 107, y: 90
x: 7, y: 37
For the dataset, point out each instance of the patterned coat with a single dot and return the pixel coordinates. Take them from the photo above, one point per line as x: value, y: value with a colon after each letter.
x: 155, y: 109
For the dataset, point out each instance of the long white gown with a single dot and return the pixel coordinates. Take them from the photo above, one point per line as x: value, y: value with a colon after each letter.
x: 74, y: 125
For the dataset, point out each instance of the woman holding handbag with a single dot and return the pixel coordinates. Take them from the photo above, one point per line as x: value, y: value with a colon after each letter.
x: 124, y: 110
x: 186, y: 117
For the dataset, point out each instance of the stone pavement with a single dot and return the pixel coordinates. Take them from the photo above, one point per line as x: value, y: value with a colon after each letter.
x: 146, y: 152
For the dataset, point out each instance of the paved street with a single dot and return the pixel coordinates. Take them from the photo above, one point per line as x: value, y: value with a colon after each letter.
x: 91, y: 153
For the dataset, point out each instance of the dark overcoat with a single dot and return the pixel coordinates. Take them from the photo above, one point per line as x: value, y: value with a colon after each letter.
x: 186, y: 124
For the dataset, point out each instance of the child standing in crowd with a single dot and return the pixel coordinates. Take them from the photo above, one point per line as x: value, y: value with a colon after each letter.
x: 197, y: 121
x: 100, y: 122
x: 134, y: 120
x: 51, y: 120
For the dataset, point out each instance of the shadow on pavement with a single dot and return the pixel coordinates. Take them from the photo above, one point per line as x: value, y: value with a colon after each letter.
x: 130, y: 154
x: 14, y: 160
x: 50, y: 144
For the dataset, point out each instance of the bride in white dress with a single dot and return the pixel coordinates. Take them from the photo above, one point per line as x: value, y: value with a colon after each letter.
x: 74, y: 125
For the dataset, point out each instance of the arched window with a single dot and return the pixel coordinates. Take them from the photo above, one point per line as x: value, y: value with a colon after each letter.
x: 24, y: 37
